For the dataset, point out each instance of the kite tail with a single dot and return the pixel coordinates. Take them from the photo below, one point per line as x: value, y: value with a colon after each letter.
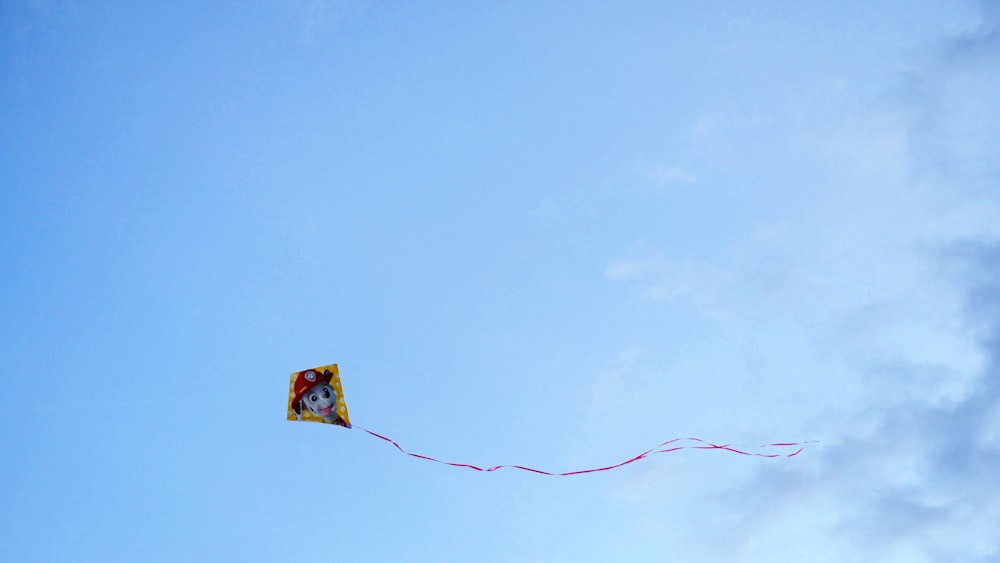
x: 774, y: 450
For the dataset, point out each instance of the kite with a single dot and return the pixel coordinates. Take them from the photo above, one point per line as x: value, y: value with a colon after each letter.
x: 316, y: 395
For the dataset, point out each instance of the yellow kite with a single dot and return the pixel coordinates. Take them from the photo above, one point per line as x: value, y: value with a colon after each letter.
x: 315, y: 395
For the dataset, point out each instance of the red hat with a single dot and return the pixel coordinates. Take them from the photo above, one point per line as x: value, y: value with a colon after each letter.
x: 306, y: 380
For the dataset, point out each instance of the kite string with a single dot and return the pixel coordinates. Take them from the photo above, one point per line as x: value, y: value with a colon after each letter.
x: 660, y: 449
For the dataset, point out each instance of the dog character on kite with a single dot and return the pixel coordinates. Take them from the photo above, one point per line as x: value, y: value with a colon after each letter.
x: 316, y: 395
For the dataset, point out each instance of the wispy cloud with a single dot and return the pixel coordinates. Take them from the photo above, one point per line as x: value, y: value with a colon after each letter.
x: 664, y: 175
x: 913, y: 481
x: 319, y: 18
x: 875, y: 308
x: 916, y: 482
x: 660, y: 278
x: 672, y: 175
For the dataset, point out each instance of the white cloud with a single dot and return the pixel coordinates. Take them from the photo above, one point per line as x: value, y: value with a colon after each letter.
x: 320, y: 18
x: 662, y: 279
x: 864, y: 336
x: 672, y: 175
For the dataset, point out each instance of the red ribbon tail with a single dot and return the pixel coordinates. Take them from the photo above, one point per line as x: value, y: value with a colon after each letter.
x: 701, y: 445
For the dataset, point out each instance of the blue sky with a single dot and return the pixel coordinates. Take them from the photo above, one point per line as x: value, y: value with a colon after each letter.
x: 552, y: 235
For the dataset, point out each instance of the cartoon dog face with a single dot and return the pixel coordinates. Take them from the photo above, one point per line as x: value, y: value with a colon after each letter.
x: 321, y: 400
